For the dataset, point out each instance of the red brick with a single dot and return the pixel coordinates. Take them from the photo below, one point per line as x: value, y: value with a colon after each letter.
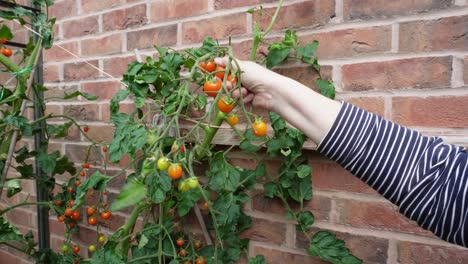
x: 303, y: 14
x: 224, y: 4
x: 85, y: 236
x: 351, y: 42
x: 101, y: 133
x: 330, y: 176
x: 22, y: 217
x: 51, y: 73
x: 275, y: 256
x: 127, y: 108
x: 57, y: 54
x: 369, y: 249
x: 125, y: 18
x: 306, y: 75
x: 53, y: 109
x: 398, y: 74
x: 465, y: 74
x: 375, y: 105
x: 9, y: 257
x: 373, y: 9
x: 57, y: 92
x: 376, y: 215
x: 442, y: 34
x: 266, y: 205
x: 147, y: 38
x: 80, y: 27
x: 100, y: 46
x: 63, y: 9
x: 82, y: 112
x: 216, y: 27
x: 77, y: 153
x: 104, y: 90
x: 162, y: 10
x: 414, y: 253
x: 117, y: 66
x: 80, y: 71
x: 447, y: 111
x: 90, y: 6
x: 265, y: 231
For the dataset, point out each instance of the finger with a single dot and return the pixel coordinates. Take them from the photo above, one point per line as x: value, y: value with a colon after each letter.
x: 236, y: 93
x: 249, y: 98
x: 224, y: 61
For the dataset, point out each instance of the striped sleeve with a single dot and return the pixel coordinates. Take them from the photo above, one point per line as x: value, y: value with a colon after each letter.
x: 425, y: 177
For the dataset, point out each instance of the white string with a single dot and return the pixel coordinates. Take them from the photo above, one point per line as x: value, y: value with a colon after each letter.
x: 76, y: 56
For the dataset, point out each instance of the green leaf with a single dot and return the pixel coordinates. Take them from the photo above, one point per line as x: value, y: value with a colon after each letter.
x: 119, y: 97
x: 20, y: 122
x: 5, y: 32
x: 13, y: 187
x: 276, y: 56
x: 326, y: 88
x: 309, y: 50
x: 223, y: 176
x: 300, y: 189
x: 326, y: 246
x: 259, y: 259
x: 8, y: 232
x: 87, y: 96
x: 159, y: 184
x: 59, y: 131
x: 187, y: 200
x: 63, y: 165
x: 304, y: 171
x: 290, y: 39
x: 96, y: 181
x: 270, y: 189
x: 304, y: 220
x: 48, y: 161
x: 23, y: 154
x: 26, y: 171
x: 133, y: 192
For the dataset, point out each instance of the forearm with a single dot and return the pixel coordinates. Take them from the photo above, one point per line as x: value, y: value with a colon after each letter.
x: 303, y: 108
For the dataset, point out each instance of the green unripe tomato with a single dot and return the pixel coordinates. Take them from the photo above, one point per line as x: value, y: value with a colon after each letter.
x: 192, y: 182
x: 65, y: 248
x: 151, y: 139
x: 102, y: 239
x: 163, y: 163
x: 92, y: 248
x: 183, y: 186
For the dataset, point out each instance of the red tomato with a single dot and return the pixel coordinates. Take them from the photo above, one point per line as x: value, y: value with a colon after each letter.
x: 70, y: 189
x: 106, y: 215
x: 182, y: 253
x: 68, y: 211
x: 85, y: 165
x: 233, y: 119
x: 175, y: 171
x: 259, y: 128
x: 205, y: 205
x: 71, y: 203
x: 92, y: 220
x: 233, y: 80
x: 208, y: 66
x: 91, y: 210
x: 58, y: 202
x: 86, y: 129
x: 76, y: 249
x: 3, y: 40
x: 75, y: 215
x: 83, y: 174
x: 104, y: 149
x: 220, y: 72
x: 200, y: 260
x: 197, y: 244
x: 212, y: 87
x: 71, y: 224
x: 6, y: 52
x: 225, y: 104
x: 77, y: 182
x: 61, y: 218
x: 180, y: 242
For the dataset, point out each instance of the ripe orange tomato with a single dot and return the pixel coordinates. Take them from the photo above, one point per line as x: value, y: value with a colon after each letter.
x: 85, y: 165
x: 220, y: 72
x: 3, y: 40
x: 61, y: 218
x: 225, y: 104
x: 83, y: 174
x: 106, y: 215
x: 76, y: 249
x: 212, y: 87
x: 180, y: 242
x: 200, y: 260
x: 6, y: 52
x: 233, y: 119
x: 259, y: 128
x: 233, y: 80
x: 92, y: 220
x: 68, y: 211
x: 77, y: 182
x: 208, y: 66
x: 175, y: 171
x: 206, y: 206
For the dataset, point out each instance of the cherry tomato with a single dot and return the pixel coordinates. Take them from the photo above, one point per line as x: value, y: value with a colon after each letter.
x: 151, y: 139
x: 3, y: 40
x: 86, y: 129
x: 58, y: 202
x: 200, y: 260
x: 85, y: 165
x: 208, y: 66
x: 205, y: 205
x: 71, y: 224
x: 61, y: 218
x: 233, y: 80
x: 104, y: 149
x: 102, y: 239
x: 6, y: 52
x: 91, y: 210
x: 259, y: 128
x: 70, y: 189
x: 183, y: 186
x: 192, y: 182
x: 104, y: 192
x: 225, y: 104
x: 106, y: 215
x: 76, y: 249
x: 233, y: 119
x: 212, y: 87
x: 182, y: 252
x: 75, y: 215
x: 77, y: 182
x: 180, y: 242
x: 92, y: 248
x: 68, y: 211
x: 220, y: 72
x: 71, y: 203
x: 175, y: 171
x: 83, y: 174
x: 65, y: 248
x: 92, y: 220
x: 163, y: 163
x: 197, y: 244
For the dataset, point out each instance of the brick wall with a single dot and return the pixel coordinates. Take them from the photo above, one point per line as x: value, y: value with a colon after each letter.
x: 405, y: 60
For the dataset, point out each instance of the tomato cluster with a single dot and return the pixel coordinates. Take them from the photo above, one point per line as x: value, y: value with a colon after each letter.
x: 7, y: 52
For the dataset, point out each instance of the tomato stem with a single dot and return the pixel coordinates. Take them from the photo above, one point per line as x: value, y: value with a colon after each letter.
x: 211, y: 132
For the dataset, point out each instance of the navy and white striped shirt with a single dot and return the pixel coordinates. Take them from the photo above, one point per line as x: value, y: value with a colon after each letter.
x: 425, y: 177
